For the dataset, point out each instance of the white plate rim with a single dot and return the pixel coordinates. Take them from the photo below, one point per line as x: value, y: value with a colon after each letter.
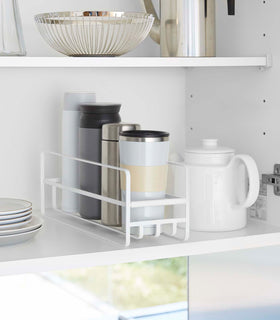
x: 6, y: 212
x: 19, y: 235
x: 15, y: 220
x: 37, y: 222
x: 15, y: 215
x: 17, y: 224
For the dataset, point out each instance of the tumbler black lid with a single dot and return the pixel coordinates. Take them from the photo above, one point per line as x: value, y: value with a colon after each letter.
x: 98, y: 108
x: 144, y: 136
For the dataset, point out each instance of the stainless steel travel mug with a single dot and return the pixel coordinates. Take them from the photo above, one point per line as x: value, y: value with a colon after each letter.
x: 110, y: 213
x: 93, y: 117
x: 145, y: 155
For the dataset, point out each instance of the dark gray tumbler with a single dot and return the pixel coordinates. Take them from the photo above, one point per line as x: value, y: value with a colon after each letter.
x: 93, y: 116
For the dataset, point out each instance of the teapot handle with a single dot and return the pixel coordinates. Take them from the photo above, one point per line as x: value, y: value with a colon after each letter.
x: 254, y: 182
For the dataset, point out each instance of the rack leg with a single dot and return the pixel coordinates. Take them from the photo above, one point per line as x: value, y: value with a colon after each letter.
x: 43, y: 206
x: 54, y: 202
x: 187, y: 226
x: 127, y: 209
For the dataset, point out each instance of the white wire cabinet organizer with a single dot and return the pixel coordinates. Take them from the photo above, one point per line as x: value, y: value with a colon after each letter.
x: 168, y: 226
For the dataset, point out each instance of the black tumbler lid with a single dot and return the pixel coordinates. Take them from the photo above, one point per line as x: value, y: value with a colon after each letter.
x: 98, y: 108
x: 144, y: 136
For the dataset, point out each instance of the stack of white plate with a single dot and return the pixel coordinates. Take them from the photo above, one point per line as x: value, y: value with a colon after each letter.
x: 17, y: 224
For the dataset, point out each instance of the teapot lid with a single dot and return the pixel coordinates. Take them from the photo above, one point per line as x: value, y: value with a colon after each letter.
x: 210, y: 146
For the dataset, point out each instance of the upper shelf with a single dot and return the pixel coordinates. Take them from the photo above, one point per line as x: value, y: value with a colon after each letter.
x: 65, y: 242
x: 132, y: 62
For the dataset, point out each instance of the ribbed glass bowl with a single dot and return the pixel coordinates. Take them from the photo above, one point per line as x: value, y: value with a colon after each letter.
x: 94, y: 33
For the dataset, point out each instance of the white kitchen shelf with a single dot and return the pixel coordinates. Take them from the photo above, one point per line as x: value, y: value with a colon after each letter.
x: 134, y: 62
x: 66, y: 243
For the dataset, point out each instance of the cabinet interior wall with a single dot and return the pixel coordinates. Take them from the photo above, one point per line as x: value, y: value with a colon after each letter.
x: 241, y: 107
x: 237, y: 105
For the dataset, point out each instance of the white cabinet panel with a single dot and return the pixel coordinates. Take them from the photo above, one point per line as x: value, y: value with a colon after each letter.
x: 242, y: 285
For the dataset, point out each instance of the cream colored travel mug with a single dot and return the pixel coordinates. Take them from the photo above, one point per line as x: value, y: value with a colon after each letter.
x: 145, y: 155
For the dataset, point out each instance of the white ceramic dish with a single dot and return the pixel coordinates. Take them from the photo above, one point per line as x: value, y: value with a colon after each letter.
x: 15, y: 215
x: 18, y: 238
x: 10, y: 206
x: 15, y: 220
x: 15, y: 225
x: 35, y: 223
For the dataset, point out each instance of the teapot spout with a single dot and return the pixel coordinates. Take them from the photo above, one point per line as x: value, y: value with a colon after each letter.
x: 155, y: 31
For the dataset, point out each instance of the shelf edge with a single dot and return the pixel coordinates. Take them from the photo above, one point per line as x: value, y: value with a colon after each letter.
x: 137, y: 254
x: 133, y: 62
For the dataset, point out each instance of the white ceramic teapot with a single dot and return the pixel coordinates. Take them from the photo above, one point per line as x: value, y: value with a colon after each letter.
x: 221, y: 187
